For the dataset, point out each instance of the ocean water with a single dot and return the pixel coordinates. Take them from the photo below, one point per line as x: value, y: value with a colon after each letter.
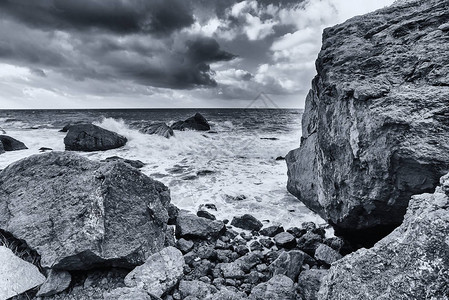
x: 234, y: 166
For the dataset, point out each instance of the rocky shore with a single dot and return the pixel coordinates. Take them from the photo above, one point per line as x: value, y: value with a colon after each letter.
x: 373, y: 161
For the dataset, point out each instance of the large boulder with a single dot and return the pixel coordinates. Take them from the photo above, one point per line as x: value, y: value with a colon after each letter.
x: 16, y: 275
x: 8, y: 143
x: 412, y: 262
x: 159, y: 129
x: 80, y: 214
x: 89, y: 137
x: 375, y: 129
x: 197, y: 122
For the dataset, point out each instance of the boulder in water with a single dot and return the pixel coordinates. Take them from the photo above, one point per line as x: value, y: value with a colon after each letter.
x: 79, y: 214
x: 8, y: 143
x: 375, y: 129
x: 413, y: 260
x: 89, y: 137
x: 134, y: 163
x: 197, y: 122
x: 161, y: 129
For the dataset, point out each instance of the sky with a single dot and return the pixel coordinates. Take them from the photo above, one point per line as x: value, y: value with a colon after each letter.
x: 163, y: 53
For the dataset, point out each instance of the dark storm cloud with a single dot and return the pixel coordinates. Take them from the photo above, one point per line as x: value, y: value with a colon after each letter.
x: 136, y: 40
x: 157, y: 16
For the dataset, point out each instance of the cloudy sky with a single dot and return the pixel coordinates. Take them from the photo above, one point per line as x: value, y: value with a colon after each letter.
x: 162, y: 53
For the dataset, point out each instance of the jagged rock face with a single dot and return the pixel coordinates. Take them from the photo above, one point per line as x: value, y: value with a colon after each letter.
x: 412, y: 262
x: 80, y: 214
x: 376, y: 123
x: 161, y: 129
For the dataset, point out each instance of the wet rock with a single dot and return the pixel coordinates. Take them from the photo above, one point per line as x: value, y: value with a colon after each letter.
x: 43, y: 149
x: 272, y: 230
x: 279, y: 287
x: 412, y: 260
x: 133, y: 163
x: 256, y: 246
x: 297, y: 232
x: 159, y: 129
x: 159, y: 273
x: 204, y: 173
x: 89, y: 137
x: 197, y: 122
x: 326, y: 254
x: 280, y: 158
x: 80, y: 214
x: 375, y: 128
x: 309, y: 282
x: 285, y: 240
x: 309, y: 242
x: 57, y: 281
x: 191, y: 226
x: 288, y: 264
x: 8, y: 143
x: 247, y: 222
x: 16, y: 275
x: 205, y: 214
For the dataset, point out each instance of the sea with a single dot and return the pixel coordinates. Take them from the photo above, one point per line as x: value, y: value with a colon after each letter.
x: 233, y: 166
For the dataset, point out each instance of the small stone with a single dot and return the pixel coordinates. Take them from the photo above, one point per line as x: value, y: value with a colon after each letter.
x: 309, y: 242
x: 57, y: 281
x: 272, y: 230
x: 288, y: 264
x: 309, y: 282
x: 247, y: 222
x: 191, y: 226
x: 184, y: 245
x: 285, y: 240
x: 255, y: 246
x: 267, y: 243
x: 297, y: 232
x: 261, y: 267
x: 326, y: 254
x: 309, y: 226
x: 241, y: 250
x: 280, y: 287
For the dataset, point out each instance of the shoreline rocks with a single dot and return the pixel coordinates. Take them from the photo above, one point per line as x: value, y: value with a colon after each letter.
x: 8, y: 143
x: 375, y: 128
x: 161, y: 129
x: 89, y: 137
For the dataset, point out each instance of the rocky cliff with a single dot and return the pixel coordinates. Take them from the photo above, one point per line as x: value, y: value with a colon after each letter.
x: 376, y: 123
x: 410, y: 263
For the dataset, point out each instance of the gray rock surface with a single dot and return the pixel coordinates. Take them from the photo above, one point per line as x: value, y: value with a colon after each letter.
x: 326, y: 254
x: 285, y: 240
x: 89, y: 137
x: 8, y: 143
x: 16, y: 275
x: 159, y: 129
x: 309, y: 282
x: 79, y: 214
x: 57, y: 281
x: 190, y: 226
x: 375, y: 129
x: 288, y: 264
x: 159, y: 273
x: 279, y: 287
x: 410, y: 263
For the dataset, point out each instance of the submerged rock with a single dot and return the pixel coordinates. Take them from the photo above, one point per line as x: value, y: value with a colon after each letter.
x: 375, y: 130
x: 8, y: 143
x: 159, y: 129
x: 16, y: 275
x: 197, y: 122
x: 89, y: 137
x: 79, y: 214
x: 412, y: 261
